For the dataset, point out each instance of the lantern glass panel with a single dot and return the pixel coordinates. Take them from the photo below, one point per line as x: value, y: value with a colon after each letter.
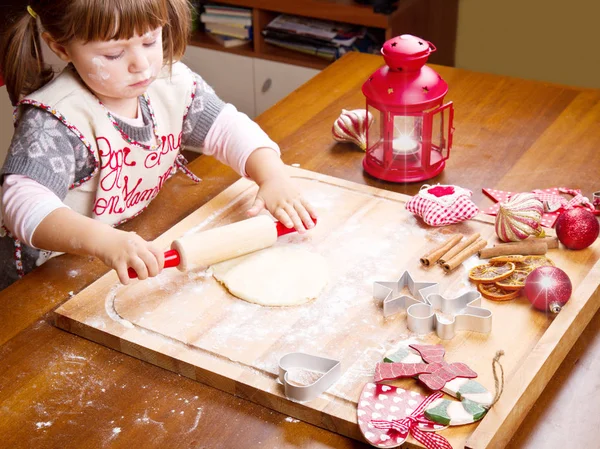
x: 440, y: 132
x: 374, y: 134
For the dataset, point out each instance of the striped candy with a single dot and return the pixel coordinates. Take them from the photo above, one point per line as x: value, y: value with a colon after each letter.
x: 351, y: 126
x: 519, y: 217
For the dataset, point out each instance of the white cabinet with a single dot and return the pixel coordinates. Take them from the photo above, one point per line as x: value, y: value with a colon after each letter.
x: 275, y: 80
x: 230, y: 75
x: 252, y: 85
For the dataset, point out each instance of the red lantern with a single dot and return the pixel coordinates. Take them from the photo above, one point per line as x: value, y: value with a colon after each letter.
x: 411, y: 136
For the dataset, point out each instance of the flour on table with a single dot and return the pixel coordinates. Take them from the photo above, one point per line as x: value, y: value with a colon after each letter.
x: 275, y: 276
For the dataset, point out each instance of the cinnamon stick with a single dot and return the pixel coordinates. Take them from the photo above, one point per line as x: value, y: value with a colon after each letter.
x: 523, y: 248
x: 432, y: 256
x: 458, y: 248
x: 473, y: 248
x: 552, y: 242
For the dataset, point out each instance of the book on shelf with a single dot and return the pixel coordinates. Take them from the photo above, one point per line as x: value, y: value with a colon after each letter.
x: 229, y: 20
x: 342, y: 35
x: 322, y: 52
x: 227, y: 41
x: 227, y: 10
x: 229, y: 30
x: 296, y: 38
x: 328, y: 40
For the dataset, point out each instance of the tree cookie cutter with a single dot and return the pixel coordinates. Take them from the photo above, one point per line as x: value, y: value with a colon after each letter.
x: 330, y: 369
x: 428, y: 311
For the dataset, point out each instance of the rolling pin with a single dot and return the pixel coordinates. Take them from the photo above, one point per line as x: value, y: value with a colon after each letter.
x: 223, y: 243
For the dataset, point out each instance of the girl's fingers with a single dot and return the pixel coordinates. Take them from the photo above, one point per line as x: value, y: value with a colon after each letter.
x: 283, y: 217
x: 121, y: 270
x: 311, y: 210
x: 151, y: 263
x: 139, y: 266
x: 304, y: 215
x: 291, y: 212
x: 160, y: 257
x: 258, y: 205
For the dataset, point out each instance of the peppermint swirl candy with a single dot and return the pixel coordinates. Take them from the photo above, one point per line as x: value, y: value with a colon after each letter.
x: 519, y: 217
x: 351, y: 126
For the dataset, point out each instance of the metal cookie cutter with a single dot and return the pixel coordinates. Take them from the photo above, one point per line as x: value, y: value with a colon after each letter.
x: 330, y: 369
x: 465, y: 314
x: 394, y: 301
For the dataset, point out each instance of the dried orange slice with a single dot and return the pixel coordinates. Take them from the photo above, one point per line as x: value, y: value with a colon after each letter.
x: 511, y: 258
x: 496, y: 293
x: 491, y: 272
x: 515, y: 281
x: 530, y: 263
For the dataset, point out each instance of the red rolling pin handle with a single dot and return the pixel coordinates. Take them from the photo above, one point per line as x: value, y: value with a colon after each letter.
x: 172, y: 258
x: 282, y: 230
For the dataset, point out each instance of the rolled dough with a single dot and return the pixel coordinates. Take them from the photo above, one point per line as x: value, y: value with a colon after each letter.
x: 275, y: 276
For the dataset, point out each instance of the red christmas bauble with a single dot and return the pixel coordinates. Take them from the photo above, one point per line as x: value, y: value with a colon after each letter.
x: 548, y: 289
x: 577, y: 228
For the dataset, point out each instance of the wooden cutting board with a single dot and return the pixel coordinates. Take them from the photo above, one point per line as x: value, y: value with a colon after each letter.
x: 188, y: 323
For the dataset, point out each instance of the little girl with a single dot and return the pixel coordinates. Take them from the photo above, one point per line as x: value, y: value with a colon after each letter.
x: 94, y: 145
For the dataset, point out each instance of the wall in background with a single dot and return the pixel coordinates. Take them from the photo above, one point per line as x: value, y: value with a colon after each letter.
x: 6, y: 123
x: 547, y: 40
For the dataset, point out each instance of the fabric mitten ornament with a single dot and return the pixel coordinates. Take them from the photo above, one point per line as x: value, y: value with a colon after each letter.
x: 455, y: 379
x: 442, y: 205
x: 387, y: 414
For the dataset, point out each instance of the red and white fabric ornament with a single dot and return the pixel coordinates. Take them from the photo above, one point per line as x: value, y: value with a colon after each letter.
x: 442, y: 205
x: 387, y: 415
x: 554, y: 203
x: 519, y: 217
x: 351, y: 126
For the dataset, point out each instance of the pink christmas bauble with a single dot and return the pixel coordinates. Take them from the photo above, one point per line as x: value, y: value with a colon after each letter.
x: 577, y: 228
x: 548, y: 289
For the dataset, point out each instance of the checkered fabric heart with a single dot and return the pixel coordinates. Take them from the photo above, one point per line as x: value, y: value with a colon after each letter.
x: 442, y: 205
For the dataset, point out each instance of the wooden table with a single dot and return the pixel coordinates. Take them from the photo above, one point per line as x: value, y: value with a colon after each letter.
x: 60, y: 390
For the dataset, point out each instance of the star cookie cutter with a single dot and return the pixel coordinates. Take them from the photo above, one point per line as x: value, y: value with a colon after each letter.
x: 394, y: 301
x: 330, y: 371
x: 466, y: 313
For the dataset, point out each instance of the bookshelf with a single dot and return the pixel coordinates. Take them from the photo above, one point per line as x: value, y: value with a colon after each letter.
x: 434, y: 20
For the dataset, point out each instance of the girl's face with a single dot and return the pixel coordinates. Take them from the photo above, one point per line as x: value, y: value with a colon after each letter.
x: 118, y: 70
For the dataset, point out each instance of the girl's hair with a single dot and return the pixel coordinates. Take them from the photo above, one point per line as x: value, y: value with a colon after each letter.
x: 21, y: 61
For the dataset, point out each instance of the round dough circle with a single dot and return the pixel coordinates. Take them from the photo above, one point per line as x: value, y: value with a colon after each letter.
x: 275, y: 276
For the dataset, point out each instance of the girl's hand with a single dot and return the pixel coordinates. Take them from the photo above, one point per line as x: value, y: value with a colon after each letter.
x: 120, y: 250
x: 279, y: 196
x: 67, y: 231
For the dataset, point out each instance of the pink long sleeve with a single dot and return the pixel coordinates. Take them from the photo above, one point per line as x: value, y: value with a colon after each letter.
x: 25, y: 203
x: 233, y: 137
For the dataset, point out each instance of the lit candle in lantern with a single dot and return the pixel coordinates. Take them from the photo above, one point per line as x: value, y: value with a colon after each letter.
x: 404, y: 145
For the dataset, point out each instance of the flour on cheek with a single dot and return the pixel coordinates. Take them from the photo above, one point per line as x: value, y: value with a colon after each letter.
x: 100, y: 74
